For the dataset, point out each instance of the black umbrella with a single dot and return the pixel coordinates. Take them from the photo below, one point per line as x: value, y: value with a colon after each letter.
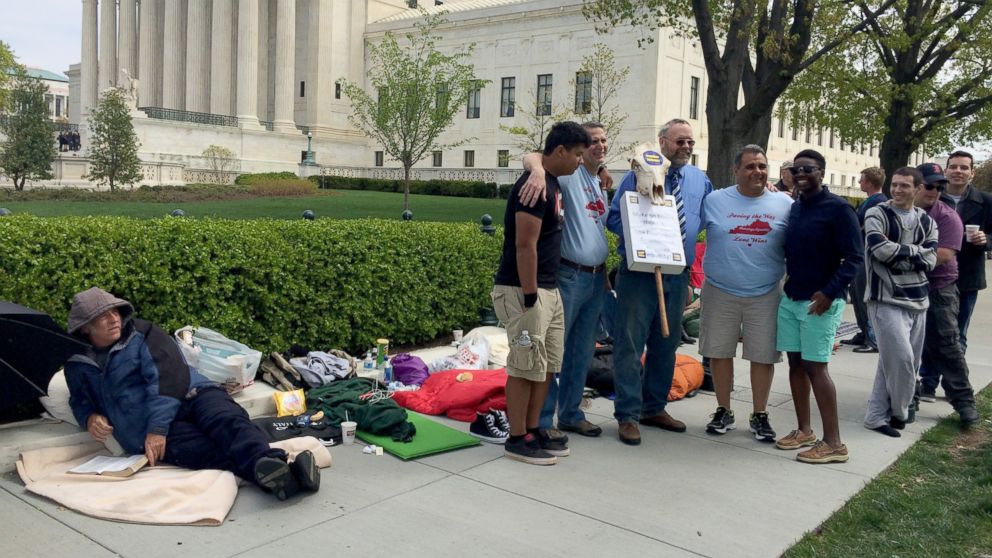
x: 32, y: 348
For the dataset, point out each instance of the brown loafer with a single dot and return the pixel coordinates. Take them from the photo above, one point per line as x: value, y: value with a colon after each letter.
x: 629, y: 433
x: 664, y: 421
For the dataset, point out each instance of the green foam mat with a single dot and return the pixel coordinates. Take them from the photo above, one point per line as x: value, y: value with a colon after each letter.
x: 432, y: 437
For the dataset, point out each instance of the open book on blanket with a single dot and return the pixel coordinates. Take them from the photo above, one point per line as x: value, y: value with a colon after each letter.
x: 111, y: 466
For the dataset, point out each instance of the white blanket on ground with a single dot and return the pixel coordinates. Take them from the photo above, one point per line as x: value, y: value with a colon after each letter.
x: 162, y: 495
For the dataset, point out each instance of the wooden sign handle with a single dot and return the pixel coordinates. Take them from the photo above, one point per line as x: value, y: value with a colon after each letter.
x: 661, y: 301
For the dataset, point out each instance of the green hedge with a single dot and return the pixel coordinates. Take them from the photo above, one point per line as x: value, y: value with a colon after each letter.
x: 455, y: 188
x: 249, y: 179
x: 267, y: 283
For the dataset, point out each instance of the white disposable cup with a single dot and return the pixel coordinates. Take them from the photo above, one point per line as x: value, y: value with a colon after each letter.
x: 970, y: 230
x: 348, y: 428
x: 457, y: 334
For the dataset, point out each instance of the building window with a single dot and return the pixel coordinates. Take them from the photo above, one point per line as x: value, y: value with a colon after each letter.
x: 303, y: 89
x: 436, y: 158
x: 781, y: 127
x: 474, y: 97
x: 441, y: 96
x: 506, y: 95
x: 503, y: 158
x: 841, y: 144
x: 337, y: 90
x: 378, y: 158
x: 470, y: 158
x: 831, y: 179
x: 795, y: 132
x: 694, y: 160
x: 544, y: 95
x: 58, y: 107
x: 843, y: 181
x: 694, y: 98
x: 819, y: 136
x: 583, y: 92
x: 809, y: 134
x: 831, y: 147
x: 411, y: 3
x: 871, y: 150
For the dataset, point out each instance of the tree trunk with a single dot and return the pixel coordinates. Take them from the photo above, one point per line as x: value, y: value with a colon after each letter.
x: 19, y: 182
x: 899, y: 141
x: 729, y: 130
x: 406, y: 186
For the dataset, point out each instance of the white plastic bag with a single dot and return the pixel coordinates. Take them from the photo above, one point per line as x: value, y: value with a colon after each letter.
x: 472, y: 354
x: 218, y: 358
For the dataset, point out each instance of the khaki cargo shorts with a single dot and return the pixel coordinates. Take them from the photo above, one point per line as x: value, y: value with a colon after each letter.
x: 545, y: 325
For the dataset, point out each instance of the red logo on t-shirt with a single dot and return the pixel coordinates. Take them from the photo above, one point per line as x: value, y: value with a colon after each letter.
x: 596, y: 206
x: 755, y: 228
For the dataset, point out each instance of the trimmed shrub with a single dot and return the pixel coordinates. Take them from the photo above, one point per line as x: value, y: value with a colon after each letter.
x: 182, y: 193
x: 455, y: 188
x: 248, y: 179
x: 267, y: 283
x: 283, y: 187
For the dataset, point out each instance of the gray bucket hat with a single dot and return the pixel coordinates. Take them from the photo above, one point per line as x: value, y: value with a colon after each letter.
x: 91, y: 303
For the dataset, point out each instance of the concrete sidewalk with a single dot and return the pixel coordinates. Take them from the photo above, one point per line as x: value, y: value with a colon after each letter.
x: 675, y: 495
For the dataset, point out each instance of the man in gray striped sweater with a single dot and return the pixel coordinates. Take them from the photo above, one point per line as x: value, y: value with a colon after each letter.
x: 900, y: 247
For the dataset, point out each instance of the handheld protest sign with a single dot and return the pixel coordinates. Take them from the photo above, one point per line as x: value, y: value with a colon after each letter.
x: 652, y: 237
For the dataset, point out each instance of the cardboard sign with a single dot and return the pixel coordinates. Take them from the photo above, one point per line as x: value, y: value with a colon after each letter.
x: 651, y: 234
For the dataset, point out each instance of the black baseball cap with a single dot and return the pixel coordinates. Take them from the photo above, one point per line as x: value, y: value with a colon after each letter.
x: 932, y: 173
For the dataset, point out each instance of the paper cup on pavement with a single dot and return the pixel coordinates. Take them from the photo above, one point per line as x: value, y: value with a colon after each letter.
x: 348, y: 429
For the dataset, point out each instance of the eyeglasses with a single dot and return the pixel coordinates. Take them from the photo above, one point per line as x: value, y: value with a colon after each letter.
x: 931, y: 187
x: 804, y: 169
x: 683, y: 142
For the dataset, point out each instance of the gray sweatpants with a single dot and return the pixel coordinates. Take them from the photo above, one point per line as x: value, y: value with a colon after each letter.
x: 899, y: 333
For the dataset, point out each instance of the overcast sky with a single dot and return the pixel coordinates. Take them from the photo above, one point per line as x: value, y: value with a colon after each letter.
x: 43, y: 33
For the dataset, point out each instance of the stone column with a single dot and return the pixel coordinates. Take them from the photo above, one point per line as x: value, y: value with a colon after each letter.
x: 248, y: 64
x: 320, y: 79
x: 198, y: 45
x: 149, y: 58
x: 127, y: 47
x: 174, y: 56
x: 285, y: 94
x: 221, y: 69
x: 264, y: 79
x: 90, y: 67
x: 108, y: 45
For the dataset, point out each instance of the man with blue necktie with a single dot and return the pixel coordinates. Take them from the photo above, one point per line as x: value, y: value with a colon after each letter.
x: 642, y: 390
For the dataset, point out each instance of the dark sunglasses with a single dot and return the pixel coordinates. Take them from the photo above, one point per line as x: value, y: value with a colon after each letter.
x: 804, y: 169
x: 931, y: 187
x: 683, y: 142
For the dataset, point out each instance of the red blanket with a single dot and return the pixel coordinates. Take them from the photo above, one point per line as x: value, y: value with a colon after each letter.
x: 442, y: 393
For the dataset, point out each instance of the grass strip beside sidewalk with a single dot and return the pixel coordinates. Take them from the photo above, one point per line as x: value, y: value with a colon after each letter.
x: 935, y: 500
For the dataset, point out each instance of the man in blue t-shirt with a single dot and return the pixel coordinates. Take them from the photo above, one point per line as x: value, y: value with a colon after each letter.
x: 527, y: 301
x: 745, y: 262
x: 581, y: 279
x: 642, y: 390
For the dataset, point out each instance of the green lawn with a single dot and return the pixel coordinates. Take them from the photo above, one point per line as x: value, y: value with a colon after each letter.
x: 936, y: 500
x: 338, y: 204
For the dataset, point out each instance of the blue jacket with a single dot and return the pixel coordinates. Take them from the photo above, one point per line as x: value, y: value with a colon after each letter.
x: 132, y: 391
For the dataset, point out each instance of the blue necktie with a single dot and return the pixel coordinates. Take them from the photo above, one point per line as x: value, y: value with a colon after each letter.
x: 675, y: 187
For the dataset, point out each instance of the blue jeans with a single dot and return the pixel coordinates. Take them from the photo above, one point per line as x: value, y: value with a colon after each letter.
x: 967, y: 308
x: 642, y: 391
x: 582, y: 297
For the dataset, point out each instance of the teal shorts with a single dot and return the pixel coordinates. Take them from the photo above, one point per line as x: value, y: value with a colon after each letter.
x: 805, y: 333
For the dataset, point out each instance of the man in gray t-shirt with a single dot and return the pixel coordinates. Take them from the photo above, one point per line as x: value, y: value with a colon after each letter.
x: 581, y: 280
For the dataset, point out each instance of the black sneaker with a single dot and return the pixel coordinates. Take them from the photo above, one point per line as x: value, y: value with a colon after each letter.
x: 486, y: 428
x: 528, y: 450
x: 306, y: 471
x: 554, y: 446
x: 723, y: 420
x: 761, y: 428
x: 501, y: 421
x: 927, y: 394
x: 969, y: 416
x: 274, y: 476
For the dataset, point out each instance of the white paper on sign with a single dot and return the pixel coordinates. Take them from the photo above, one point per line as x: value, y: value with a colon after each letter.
x: 651, y: 234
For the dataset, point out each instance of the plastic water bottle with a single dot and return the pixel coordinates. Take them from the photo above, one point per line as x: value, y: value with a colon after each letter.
x: 368, y: 364
x: 524, y: 339
x: 387, y: 368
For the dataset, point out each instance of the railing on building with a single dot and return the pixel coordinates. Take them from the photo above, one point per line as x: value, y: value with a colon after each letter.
x: 59, y: 127
x: 160, y: 113
x: 266, y: 124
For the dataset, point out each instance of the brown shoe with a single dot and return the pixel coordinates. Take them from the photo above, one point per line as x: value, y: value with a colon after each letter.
x: 821, y: 452
x: 629, y: 434
x: 795, y: 440
x: 664, y: 421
